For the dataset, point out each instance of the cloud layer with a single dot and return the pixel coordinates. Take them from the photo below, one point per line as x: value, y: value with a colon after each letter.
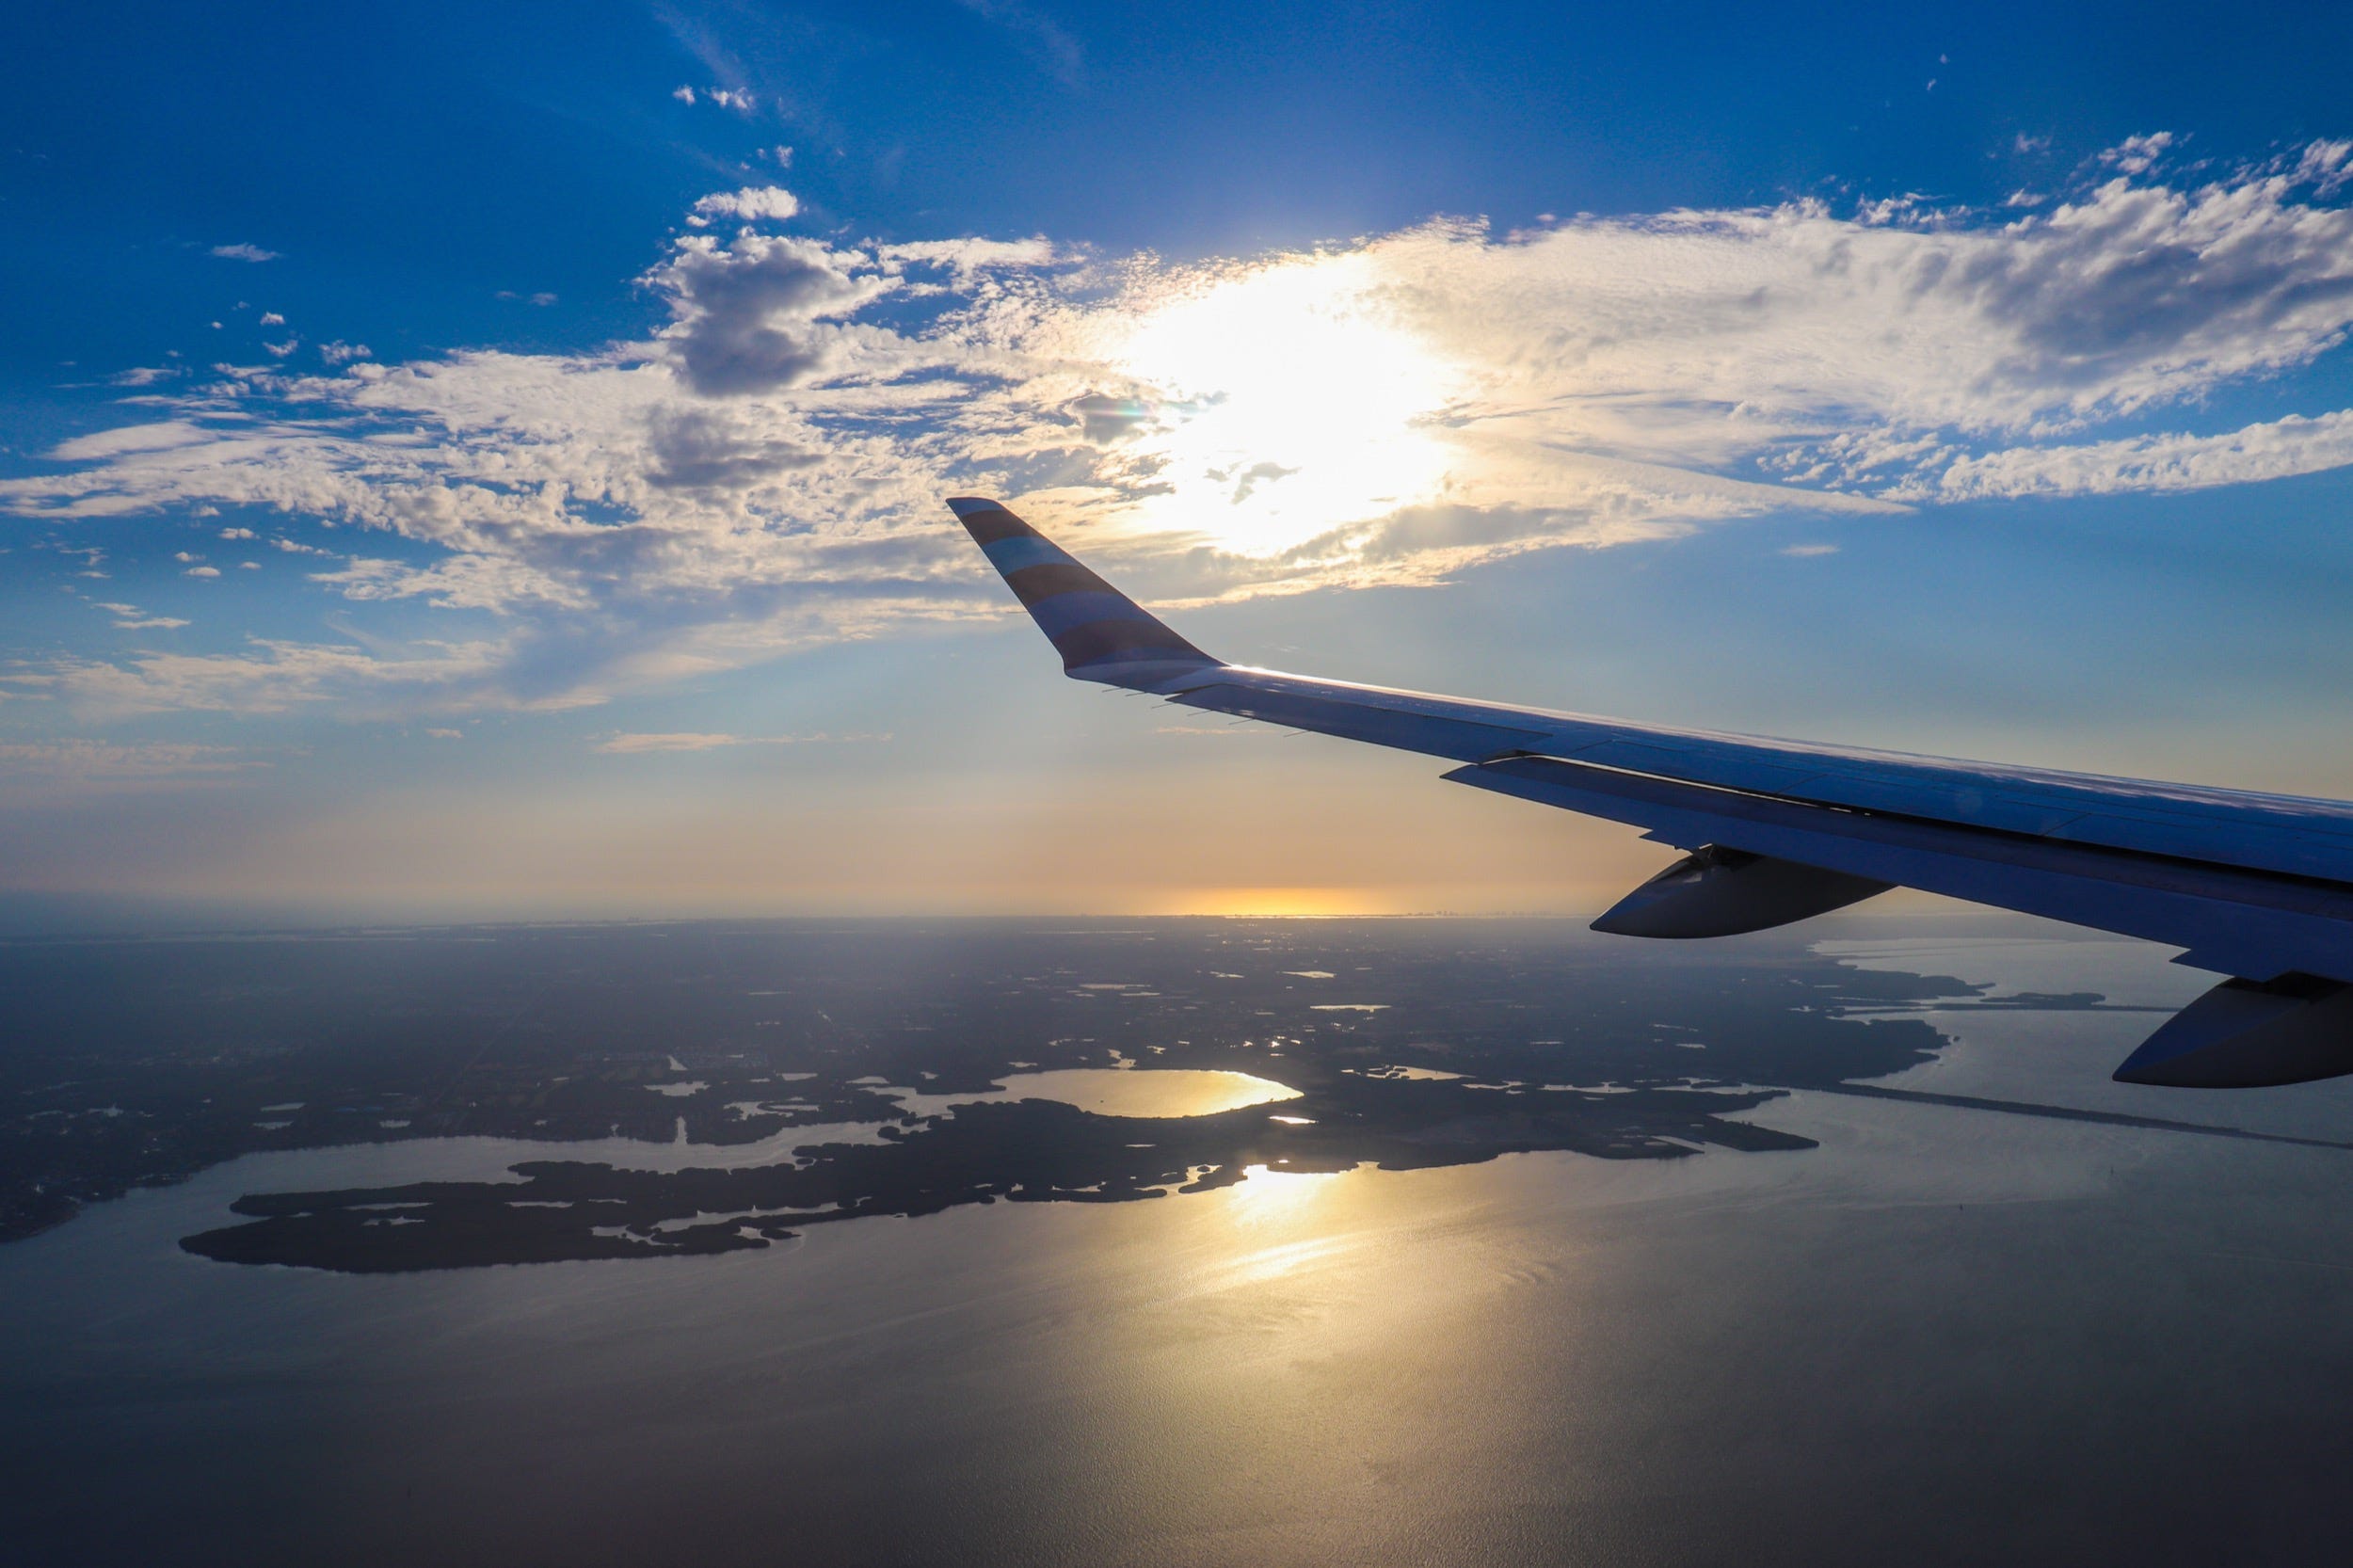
x: 764, y: 468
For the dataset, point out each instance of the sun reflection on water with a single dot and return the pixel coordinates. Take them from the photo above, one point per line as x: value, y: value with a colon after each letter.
x: 1153, y: 1092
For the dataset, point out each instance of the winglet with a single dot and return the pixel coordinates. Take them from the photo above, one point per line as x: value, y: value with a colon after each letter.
x: 1100, y: 633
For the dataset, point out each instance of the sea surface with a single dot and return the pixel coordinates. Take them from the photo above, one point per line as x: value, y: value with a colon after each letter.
x: 1964, y: 1327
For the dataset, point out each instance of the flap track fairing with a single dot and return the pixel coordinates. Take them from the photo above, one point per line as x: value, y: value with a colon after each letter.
x: 1716, y: 891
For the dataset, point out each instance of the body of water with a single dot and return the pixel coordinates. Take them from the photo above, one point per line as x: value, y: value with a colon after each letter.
x: 1946, y: 1334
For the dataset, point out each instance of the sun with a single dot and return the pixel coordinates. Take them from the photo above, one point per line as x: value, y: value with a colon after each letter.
x: 1292, y: 399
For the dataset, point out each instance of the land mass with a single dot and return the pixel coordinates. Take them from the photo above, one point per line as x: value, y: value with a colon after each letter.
x: 1408, y: 1043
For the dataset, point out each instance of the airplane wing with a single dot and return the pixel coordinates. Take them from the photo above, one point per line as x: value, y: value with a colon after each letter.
x: 2258, y: 887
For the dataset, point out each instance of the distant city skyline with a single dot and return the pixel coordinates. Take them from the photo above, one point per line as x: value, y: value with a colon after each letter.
x: 488, y: 463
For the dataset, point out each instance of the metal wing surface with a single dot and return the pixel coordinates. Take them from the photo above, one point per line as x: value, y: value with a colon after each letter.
x: 2256, y: 886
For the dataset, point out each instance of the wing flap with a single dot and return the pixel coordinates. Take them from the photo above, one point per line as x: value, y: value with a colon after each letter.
x: 2232, y: 921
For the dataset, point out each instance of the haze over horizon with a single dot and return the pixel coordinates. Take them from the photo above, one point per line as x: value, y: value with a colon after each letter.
x: 507, y: 481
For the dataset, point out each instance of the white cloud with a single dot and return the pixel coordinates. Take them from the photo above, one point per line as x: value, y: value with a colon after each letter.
x: 274, y: 676
x: 683, y: 94
x: 242, y: 252
x: 105, y: 444
x: 271, y: 318
x: 2326, y: 165
x: 753, y: 203
x: 279, y: 350
x: 753, y: 315
x: 764, y: 471
x: 2137, y: 155
x: 201, y: 571
x: 340, y: 353
x: 238, y: 534
x: 2278, y: 449
x: 128, y: 618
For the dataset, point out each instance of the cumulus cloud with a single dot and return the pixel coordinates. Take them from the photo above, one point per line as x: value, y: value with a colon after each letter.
x: 2137, y: 155
x: 242, y: 252
x: 2326, y: 165
x: 763, y: 468
x: 752, y: 203
x: 703, y: 449
x: 757, y: 314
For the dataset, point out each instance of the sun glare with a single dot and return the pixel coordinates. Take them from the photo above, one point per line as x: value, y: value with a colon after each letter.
x: 1293, y: 401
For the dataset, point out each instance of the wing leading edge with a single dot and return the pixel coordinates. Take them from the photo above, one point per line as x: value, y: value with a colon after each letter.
x: 2258, y: 887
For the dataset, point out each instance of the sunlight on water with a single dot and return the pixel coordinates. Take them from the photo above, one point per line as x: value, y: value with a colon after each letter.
x: 1117, y: 1092
x: 1273, y: 1195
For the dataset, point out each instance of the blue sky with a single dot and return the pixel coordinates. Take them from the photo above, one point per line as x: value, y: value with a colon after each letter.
x: 484, y: 460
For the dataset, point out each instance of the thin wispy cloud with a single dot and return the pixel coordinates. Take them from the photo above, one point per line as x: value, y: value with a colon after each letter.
x: 762, y: 469
x: 1039, y: 36
x: 89, y: 762
x: 270, y: 677
x: 630, y: 745
x: 129, y: 617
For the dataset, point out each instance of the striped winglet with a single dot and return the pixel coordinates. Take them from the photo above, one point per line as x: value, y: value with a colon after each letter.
x: 1100, y: 633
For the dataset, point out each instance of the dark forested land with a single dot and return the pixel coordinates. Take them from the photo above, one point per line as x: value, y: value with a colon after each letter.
x: 130, y: 1063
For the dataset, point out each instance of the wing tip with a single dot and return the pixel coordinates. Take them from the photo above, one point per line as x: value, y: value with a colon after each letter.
x: 1102, y: 633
